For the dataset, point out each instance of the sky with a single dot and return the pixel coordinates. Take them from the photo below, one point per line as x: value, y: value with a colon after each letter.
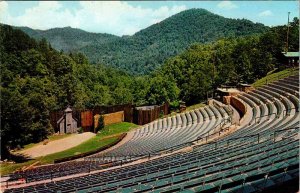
x: 128, y: 17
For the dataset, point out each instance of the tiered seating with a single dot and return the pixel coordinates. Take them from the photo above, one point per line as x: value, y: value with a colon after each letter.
x: 56, y: 170
x: 208, y: 168
x: 177, y: 130
x: 277, y: 122
x: 253, y: 158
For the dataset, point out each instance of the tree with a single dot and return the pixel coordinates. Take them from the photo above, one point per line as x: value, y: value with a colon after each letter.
x: 161, y: 90
x: 101, y: 123
x: 122, y: 95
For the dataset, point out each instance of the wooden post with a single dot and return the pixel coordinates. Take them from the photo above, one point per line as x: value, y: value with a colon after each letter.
x: 207, y: 97
x: 287, y: 33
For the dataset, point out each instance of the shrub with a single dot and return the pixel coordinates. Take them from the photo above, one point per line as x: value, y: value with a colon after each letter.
x: 100, y: 123
x: 174, y: 105
x: 161, y: 114
x: 80, y: 130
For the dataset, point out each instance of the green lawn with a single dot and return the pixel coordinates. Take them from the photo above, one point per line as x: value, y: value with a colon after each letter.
x: 196, y: 106
x: 108, y: 135
x: 117, y: 128
x: 275, y: 76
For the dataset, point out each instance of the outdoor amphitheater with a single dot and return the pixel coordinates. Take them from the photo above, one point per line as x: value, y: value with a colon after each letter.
x: 249, y: 145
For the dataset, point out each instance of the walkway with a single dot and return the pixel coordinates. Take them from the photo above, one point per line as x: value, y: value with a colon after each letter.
x: 57, y: 145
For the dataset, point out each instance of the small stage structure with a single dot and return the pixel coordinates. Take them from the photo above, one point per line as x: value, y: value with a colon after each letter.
x: 290, y: 59
x: 226, y: 92
x: 67, y: 123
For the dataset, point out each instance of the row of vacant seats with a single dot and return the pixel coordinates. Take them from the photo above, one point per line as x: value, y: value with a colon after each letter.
x: 56, y: 170
x: 173, y: 131
x: 259, y: 155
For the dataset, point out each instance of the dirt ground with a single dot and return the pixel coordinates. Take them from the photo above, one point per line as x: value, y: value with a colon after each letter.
x: 57, y: 145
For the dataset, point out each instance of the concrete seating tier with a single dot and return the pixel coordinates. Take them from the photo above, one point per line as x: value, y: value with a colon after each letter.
x: 176, y: 130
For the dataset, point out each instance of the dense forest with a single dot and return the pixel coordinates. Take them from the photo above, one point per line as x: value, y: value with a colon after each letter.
x: 146, y: 50
x: 37, y: 79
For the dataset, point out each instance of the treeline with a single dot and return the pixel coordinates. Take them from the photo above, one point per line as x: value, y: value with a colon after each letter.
x: 36, y: 79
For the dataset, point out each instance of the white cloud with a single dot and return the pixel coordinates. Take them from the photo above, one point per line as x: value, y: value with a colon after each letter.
x: 114, y: 17
x: 3, y: 11
x: 265, y: 13
x: 227, y: 5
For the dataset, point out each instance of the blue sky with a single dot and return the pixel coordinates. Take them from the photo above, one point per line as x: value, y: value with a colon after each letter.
x: 126, y: 18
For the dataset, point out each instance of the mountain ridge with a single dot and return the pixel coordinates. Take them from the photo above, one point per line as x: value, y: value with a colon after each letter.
x: 148, y: 48
x: 71, y: 42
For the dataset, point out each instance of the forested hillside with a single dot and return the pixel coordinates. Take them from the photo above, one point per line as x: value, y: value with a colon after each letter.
x: 203, y: 67
x: 146, y: 50
x: 69, y: 39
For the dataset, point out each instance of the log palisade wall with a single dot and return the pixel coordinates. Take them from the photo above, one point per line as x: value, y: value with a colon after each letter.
x: 126, y: 112
x: 110, y: 118
x: 86, y: 117
x: 142, y: 117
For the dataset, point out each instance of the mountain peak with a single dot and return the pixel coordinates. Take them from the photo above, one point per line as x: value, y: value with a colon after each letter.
x: 198, y: 10
x: 149, y: 48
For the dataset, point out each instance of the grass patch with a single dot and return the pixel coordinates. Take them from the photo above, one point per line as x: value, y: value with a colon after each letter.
x: 173, y: 113
x: 7, y: 168
x: 271, y: 77
x: 89, y: 145
x: 117, y: 128
x: 196, y: 106
x: 101, y: 139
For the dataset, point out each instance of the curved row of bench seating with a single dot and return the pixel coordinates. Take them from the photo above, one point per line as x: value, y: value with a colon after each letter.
x: 56, y: 170
x: 259, y: 155
x: 172, y: 131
